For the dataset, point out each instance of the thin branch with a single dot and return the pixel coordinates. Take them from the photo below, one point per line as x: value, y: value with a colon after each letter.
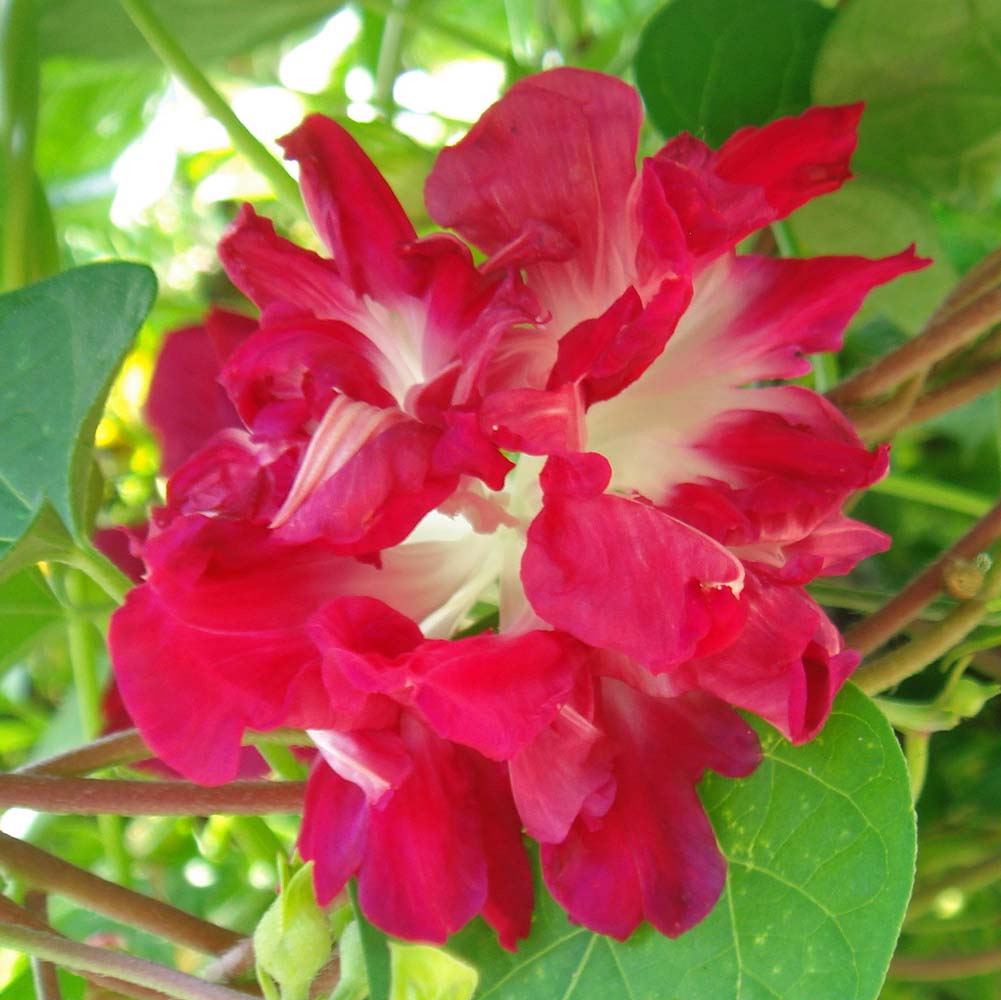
x: 181, y: 66
x: 939, y: 339
x: 86, y: 958
x: 11, y: 913
x: 952, y: 394
x: 94, y: 797
x: 896, y: 666
x: 45, y: 871
x: 904, y: 607
x: 981, y: 278
x: 969, y: 879
x: 127, y: 747
x: 124, y: 747
x: 44, y: 974
x: 944, y: 967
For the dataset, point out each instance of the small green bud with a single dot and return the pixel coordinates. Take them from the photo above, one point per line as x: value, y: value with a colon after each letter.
x: 420, y: 972
x: 968, y: 697
x: 353, y: 983
x: 292, y: 940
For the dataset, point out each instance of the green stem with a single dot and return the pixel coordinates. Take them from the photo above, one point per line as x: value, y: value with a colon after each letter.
x: 101, y: 570
x: 916, y: 747
x: 388, y: 64
x: 103, y: 962
x: 83, y: 661
x: 18, y: 126
x: 282, y: 761
x: 968, y: 880
x: 446, y: 29
x: 181, y: 66
x: 933, y: 493
x: 898, y: 665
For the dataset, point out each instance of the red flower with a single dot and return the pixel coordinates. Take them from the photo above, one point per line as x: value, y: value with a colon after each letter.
x: 646, y: 554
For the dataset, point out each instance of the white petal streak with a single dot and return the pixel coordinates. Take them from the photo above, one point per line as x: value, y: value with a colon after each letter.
x: 346, y: 427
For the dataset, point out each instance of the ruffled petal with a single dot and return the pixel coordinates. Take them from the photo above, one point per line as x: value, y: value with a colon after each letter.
x: 282, y: 378
x: 353, y: 208
x: 334, y: 830
x: 510, y: 895
x: 757, y: 176
x: 271, y: 271
x: 192, y: 693
x: 652, y: 856
x: 552, y: 777
x: 622, y: 575
x: 424, y: 875
x: 787, y: 665
x: 553, y: 159
x: 493, y: 693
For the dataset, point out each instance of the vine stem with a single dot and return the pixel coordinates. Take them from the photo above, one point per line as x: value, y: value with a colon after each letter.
x: 126, y: 747
x: 967, y: 880
x: 45, y: 871
x: 102, y: 571
x: 11, y: 913
x: 904, y: 607
x: 446, y: 29
x: 181, y: 65
x: 944, y: 967
x: 43, y: 974
x: 19, y: 83
x: 100, y: 961
x: 83, y: 662
x: 899, y: 664
x: 940, y: 338
x: 94, y: 797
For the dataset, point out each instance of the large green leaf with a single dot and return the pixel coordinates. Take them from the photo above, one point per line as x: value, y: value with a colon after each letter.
x: 27, y: 609
x: 712, y: 66
x: 876, y: 219
x: 820, y: 843
x: 207, y: 29
x: 930, y: 74
x: 62, y: 340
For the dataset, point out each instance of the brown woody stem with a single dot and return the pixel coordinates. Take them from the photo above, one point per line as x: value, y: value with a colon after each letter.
x: 944, y: 967
x: 895, y: 666
x: 127, y: 747
x: 939, y: 339
x: 903, y: 608
x: 11, y: 913
x: 45, y: 871
x: 952, y: 394
x: 94, y: 797
x: 85, y: 959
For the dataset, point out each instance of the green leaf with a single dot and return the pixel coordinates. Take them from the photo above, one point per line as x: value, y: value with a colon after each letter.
x: 820, y: 843
x: 713, y: 66
x: 27, y: 609
x: 930, y: 74
x: 62, y: 341
x: 875, y: 219
x: 215, y: 30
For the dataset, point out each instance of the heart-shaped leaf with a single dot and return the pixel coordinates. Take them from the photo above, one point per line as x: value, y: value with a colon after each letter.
x: 820, y: 843
x: 62, y: 341
x: 713, y: 66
